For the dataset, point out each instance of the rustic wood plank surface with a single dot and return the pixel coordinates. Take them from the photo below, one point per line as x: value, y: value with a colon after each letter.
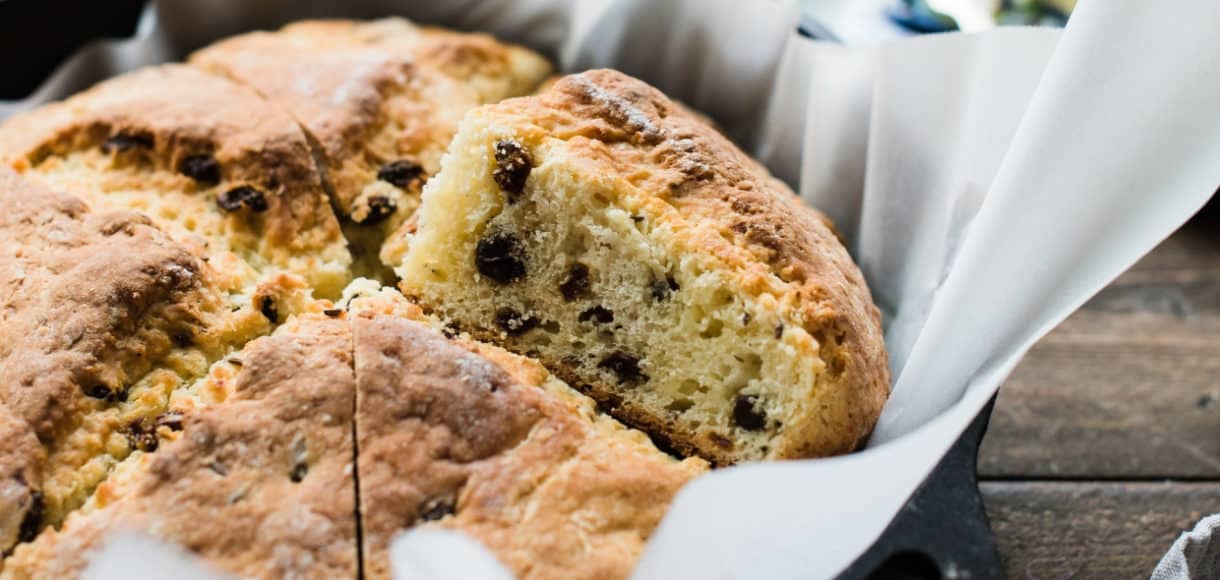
x: 1091, y: 530
x: 1105, y: 443
x: 1128, y: 387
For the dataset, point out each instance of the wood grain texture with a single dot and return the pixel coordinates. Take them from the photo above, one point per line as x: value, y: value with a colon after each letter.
x: 1129, y: 386
x: 1079, y: 530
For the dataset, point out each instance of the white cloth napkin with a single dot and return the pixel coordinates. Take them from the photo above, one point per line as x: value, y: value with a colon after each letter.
x: 1196, y: 554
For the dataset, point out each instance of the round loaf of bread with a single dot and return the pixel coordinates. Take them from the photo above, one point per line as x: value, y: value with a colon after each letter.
x: 204, y: 337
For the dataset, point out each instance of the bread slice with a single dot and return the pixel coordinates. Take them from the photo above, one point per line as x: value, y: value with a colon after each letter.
x: 380, y: 101
x: 254, y: 470
x: 463, y: 435
x: 206, y: 159
x: 649, y: 262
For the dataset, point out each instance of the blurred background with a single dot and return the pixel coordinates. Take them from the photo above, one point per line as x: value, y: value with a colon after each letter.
x: 868, y: 22
x: 39, y: 32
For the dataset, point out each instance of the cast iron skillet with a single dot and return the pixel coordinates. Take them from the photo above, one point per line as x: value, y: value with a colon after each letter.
x: 942, y: 532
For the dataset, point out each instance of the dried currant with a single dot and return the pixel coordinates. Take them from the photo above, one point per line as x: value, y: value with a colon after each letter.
x: 746, y: 414
x: 500, y: 257
x: 242, y: 196
x: 380, y: 208
x: 403, y: 173
x: 171, y: 420
x: 577, y: 283
x: 435, y: 509
x: 104, y: 392
x: 514, y: 323
x: 267, y: 307
x: 202, y: 168
x: 32, y: 522
x: 141, y: 436
x: 298, y: 472
x: 625, y: 366
x: 513, y: 165
x: 598, y: 314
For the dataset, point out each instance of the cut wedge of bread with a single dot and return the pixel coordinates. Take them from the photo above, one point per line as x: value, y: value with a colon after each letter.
x: 645, y: 259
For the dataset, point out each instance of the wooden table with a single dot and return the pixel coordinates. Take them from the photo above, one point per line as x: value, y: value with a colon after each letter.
x: 1105, y: 442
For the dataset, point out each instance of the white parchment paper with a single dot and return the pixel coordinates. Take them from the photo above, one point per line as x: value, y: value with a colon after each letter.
x: 988, y: 185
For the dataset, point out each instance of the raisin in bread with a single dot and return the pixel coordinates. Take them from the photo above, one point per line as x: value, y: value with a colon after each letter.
x: 208, y: 160
x: 638, y: 253
x: 380, y: 101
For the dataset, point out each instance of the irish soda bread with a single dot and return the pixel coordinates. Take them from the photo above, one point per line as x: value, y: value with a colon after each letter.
x: 322, y: 285
x: 644, y: 258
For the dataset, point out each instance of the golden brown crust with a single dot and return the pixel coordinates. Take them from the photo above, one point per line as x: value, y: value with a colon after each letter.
x: 89, y: 301
x: 494, y: 69
x: 456, y: 434
x: 748, y: 220
x: 19, y: 458
x: 260, y: 485
x: 479, y: 444
x: 696, y: 169
x: 337, y: 94
x: 157, y: 118
x: 373, y: 94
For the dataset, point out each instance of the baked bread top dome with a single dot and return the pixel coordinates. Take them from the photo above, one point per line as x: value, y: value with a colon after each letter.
x: 207, y: 159
x: 380, y: 101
